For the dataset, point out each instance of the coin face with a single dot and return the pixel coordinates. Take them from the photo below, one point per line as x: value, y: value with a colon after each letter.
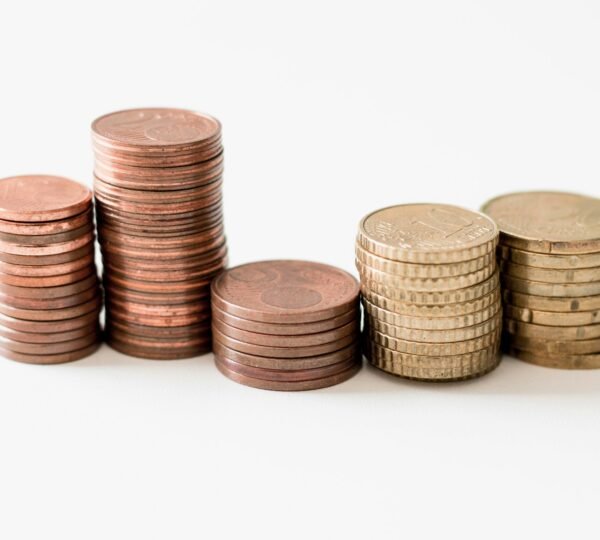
x: 41, y: 198
x: 548, y: 222
x: 427, y: 233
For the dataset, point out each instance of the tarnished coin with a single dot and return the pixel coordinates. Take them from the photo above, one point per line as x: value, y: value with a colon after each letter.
x: 156, y: 298
x: 52, y: 303
x: 551, y: 318
x: 180, y: 333
x: 160, y: 353
x: 46, y: 281
x: 49, y: 249
x: 48, y: 338
x: 547, y: 275
x: 45, y: 239
x: 539, y: 288
x: 157, y: 320
x: 46, y: 270
x: 41, y: 198
x: 169, y: 209
x: 49, y: 227
x: 556, y: 262
x: 563, y: 361
x: 49, y: 327
x: 47, y: 293
x: 156, y: 253
x: 154, y: 243
x: 427, y: 233
x: 520, y: 328
x: 548, y: 303
x: 43, y: 260
x: 52, y: 314
x: 60, y: 347
x: 547, y: 222
x: 185, y: 274
x: 177, y: 287
x: 50, y: 358
x: 542, y: 346
x: 285, y: 292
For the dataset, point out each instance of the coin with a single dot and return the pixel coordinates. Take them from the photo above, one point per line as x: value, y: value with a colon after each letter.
x: 548, y: 303
x: 50, y: 249
x: 50, y: 327
x: 60, y: 347
x: 164, y: 333
x: 547, y: 275
x: 46, y: 270
x: 42, y: 260
x: 556, y: 262
x: 550, y: 318
x: 52, y: 314
x: 29, y: 240
x: 162, y: 353
x: 178, y: 287
x: 47, y: 228
x: 539, y: 288
x: 52, y: 303
x: 46, y: 281
x: 50, y: 358
x: 547, y: 222
x: 555, y: 347
x: 539, y: 331
x: 562, y: 361
x: 46, y: 293
x: 156, y: 298
x: 48, y: 338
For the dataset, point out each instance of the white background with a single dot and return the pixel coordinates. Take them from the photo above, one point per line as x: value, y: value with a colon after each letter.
x: 330, y: 110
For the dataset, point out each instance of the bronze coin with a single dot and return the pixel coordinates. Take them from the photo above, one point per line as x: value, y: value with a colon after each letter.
x: 163, y: 311
x: 177, y: 210
x: 181, y: 160
x: 42, y: 198
x: 158, y: 222
x: 51, y: 358
x: 170, y: 219
x: 58, y: 337
x: 47, y: 293
x: 177, y: 287
x: 48, y: 327
x: 286, y: 329
x: 51, y: 303
x: 60, y: 347
x: 172, y: 276
x: 115, y: 311
x: 156, y: 253
x: 159, y: 232
x: 305, y: 340
x: 49, y: 249
x: 282, y: 352
x: 50, y: 227
x: 46, y: 281
x: 285, y: 291
x: 151, y: 353
x: 288, y: 386
x: 138, y: 242
x: 95, y: 304
x: 311, y: 362
x: 287, y: 375
x: 45, y: 239
x: 44, y: 260
x: 198, y: 339
x: 49, y: 270
x: 153, y: 332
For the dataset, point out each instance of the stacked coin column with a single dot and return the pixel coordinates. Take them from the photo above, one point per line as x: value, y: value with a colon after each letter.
x: 550, y: 269
x: 50, y: 297
x: 430, y: 291
x: 158, y: 175
x: 286, y: 325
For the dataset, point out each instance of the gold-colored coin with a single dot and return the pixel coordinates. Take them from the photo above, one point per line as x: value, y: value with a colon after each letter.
x: 547, y: 275
x: 552, y: 318
x: 539, y: 331
x: 424, y: 285
x: 434, y: 349
x: 431, y: 323
x: 548, y: 303
x: 436, y: 336
x: 446, y: 310
x: 557, y: 262
x: 442, y: 368
x: 539, y: 288
x: 547, y: 222
x: 423, y: 271
x: 427, y: 233
x: 540, y: 346
x: 430, y: 298
x: 563, y: 361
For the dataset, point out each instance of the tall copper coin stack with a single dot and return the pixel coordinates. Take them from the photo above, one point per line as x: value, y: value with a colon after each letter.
x: 158, y: 176
x: 286, y: 325
x: 430, y: 291
x: 550, y: 269
x: 50, y: 297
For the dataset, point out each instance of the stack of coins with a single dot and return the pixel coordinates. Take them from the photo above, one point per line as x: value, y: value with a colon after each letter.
x: 158, y: 176
x: 286, y: 325
x: 430, y: 291
x: 550, y: 269
x: 50, y: 297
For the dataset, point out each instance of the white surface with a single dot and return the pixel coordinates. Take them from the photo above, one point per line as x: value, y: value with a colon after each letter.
x: 330, y: 110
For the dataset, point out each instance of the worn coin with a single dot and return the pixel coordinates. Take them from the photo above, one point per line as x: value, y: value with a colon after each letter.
x: 43, y: 260
x: 555, y: 347
x: 547, y: 275
x: 50, y: 358
x: 548, y: 303
x: 562, y: 361
x: 52, y: 314
x: 46, y: 270
x: 539, y: 288
x: 46, y: 281
x: 60, y: 347
x: 51, y: 303
x: 47, y: 293
x: 46, y: 327
x: 45, y: 239
x: 49, y: 249
x: 49, y: 227
x: 539, y: 331
x: 162, y: 353
x: 552, y: 318
x: 48, y: 338
x: 556, y: 262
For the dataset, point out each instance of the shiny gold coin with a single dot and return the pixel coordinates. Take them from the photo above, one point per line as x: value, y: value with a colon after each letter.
x: 539, y: 331
x: 539, y: 288
x: 551, y: 346
x: 557, y: 262
x: 548, y: 303
x: 563, y: 361
x: 547, y: 275
x: 552, y: 318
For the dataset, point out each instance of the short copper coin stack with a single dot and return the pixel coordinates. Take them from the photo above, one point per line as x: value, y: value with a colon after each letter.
x: 550, y: 269
x: 286, y: 325
x: 158, y: 176
x: 430, y: 291
x: 50, y: 297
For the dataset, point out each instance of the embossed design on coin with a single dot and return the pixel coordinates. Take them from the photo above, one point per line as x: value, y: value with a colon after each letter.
x: 291, y: 297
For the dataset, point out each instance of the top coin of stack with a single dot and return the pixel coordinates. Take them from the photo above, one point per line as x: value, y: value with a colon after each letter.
x: 286, y: 325
x: 158, y: 176
x: 50, y: 297
x: 550, y: 268
x: 430, y: 291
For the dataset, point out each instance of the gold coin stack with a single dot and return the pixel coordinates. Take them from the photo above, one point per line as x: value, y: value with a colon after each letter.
x: 549, y: 257
x: 430, y: 291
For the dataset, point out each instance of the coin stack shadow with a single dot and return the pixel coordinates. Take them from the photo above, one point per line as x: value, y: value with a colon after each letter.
x: 50, y: 296
x: 430, y: 291
x: 549, y: 257
x: 158, y: 179
x: 286, y: 325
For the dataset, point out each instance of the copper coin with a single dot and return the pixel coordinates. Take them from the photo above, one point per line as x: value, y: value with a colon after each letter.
x: 177, y: 287
x: 169, y: 219
x: 282, y: 352
x: 287, y: 375
x: 43, y: 260
x: 287, y: 329
x: 199, y: 339
x: 171, y: 276
x: 162, y: 232
x: 155, y: 253
x: 49, y: 249
x: 173, y: 332
x: 119, y: 312
x: 285, y: 291
x: 165, y: 209
x: 41, y: 198
x: 46, y: 281
x: 60, y: 347
x: 50, y: 358
x: 47, y: 293
x: 52, y: 314
x: 151, y: 353
x: 43, y: 271
x: 47, y: 327
x: 180, y: 160
x: 155, y: 298
x: 310, y: 362
x: 139, y: 242
x: 58, y: 337
x: 163, y: 311
x: 287, y: 386
x: 51, y: 303
x: 50, y: 227
x: 305, y: 340
x: 45, y: 239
